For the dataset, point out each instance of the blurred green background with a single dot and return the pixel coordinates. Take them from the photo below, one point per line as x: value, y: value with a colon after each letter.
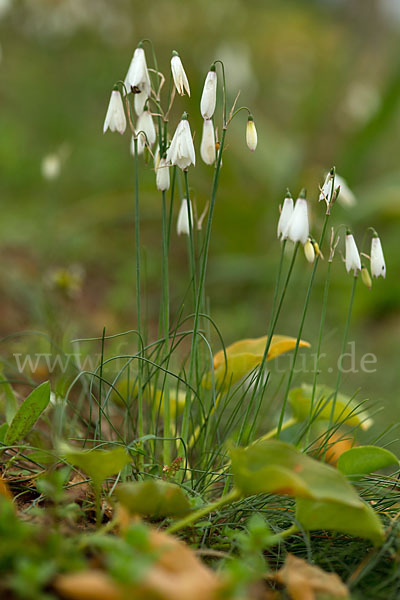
x: 322, y: 78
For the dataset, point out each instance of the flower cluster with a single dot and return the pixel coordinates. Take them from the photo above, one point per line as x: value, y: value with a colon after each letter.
x: 293, y: 225
x: 138, y: 88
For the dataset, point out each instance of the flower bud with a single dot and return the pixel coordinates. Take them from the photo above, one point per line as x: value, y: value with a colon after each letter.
x: 179, y: 75
x: 366, y: 278
x: 309, y: 251
x: 209, y: 95
x: 251, y: 134
x: 207, y: 146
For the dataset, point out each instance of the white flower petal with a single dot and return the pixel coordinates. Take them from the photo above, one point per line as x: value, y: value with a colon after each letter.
x: 115, y: 117
x: 352, y: 258
x: 298, y: 227
x: 209, y: 95
x: 284, y: 219
x: 378, y: 265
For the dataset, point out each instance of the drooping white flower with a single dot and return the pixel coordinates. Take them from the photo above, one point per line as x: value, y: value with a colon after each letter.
x: 162, y: 175
x: 146, y: 125
x: 157, y: 157
x: 209, y: 95
x: 309, y: 251
x: 179, y: 75
x: 207, y: 146
x: 286, y: 214
x: 352, y: 256
x: 115, y: 117
x: 378, y: 266
x: 251, y: 134
x: 137, y: 79
x: 181, y: 150
x: 50, y: 166
x: 182, y: 225
x: 346, y: 196
x: 298, y: 228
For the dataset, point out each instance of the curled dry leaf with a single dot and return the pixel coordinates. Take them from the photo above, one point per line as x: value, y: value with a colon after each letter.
x: 177, y: 575
x: 304, y: 581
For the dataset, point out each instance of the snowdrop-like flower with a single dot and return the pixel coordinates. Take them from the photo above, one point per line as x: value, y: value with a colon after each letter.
x: 298, y: 228
x: 251, y: 134
x: 182, y: 225
x: 137, y: 79
x: 115, y: 117
x: 162, y: 175
x: 309, y: 251
x: 181, y: 150
x: 207, y: 146
x: 50, y: 166
x: 145, y: 124
x: 378, y: 266
x: 209, y: 95
x: 286, y: 215
x: 179, y: 75
x: 353, y: 262
x: 346, y: 196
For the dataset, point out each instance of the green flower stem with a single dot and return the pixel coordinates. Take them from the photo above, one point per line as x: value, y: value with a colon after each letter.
x: 303, y: 318
x: 138, y: 299
x: 279, y: 537
x: 271, y: 434
x: 165, y: 318
x: 320, y: 337
x: 206, y: 510
x: 345, y: 338
x: 203, y: 269
x: 272, y: 324
x: 192, y: 257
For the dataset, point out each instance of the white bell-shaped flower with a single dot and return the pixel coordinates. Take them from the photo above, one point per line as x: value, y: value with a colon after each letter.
x: 181, y: 150
x: 182, y: 225
x: 115, y: 117
x: 209, y: 95
x: 298, y: 228
x: 146, y: 125
x: 378, y: 265
x: 346, y: 196
x: 286, y: 215
x: 251, y: 134
x: 179, y: 75
x: 207, y: 146
x: 162, y: 175
x: 352, y: 256
x: 137, y: 80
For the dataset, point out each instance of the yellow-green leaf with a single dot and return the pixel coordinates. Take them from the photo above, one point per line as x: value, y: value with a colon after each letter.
x: 28, y: 413
x: 360, y: 521
x: 153, y: 498
x: 98, y: 464
x: 245, y: 355
x: 346, y: 410
x: 272, y: 466
x: 363, y: 460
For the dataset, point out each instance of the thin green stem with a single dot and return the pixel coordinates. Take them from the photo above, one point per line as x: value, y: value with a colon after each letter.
x: 203, y: 270
x: 206, y: 510
x: 345, y: 338
x: 192, y: 258
x: 303, y: 318
x: 165, y: 300
x: 138, y: 297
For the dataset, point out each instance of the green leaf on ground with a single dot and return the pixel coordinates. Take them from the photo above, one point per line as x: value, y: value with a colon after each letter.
x: 11, y: 404
x: 363, y: 460
x: 98, y: 464
x: 153, y: 498
x: 272, y: 466
x: 360, y: 521
x: 346, y: 410
x: 28, y: 413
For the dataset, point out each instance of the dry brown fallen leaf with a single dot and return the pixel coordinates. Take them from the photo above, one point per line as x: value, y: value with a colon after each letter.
x: 304, y: 581
x: 177, y: 575
x: 4, y: 489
